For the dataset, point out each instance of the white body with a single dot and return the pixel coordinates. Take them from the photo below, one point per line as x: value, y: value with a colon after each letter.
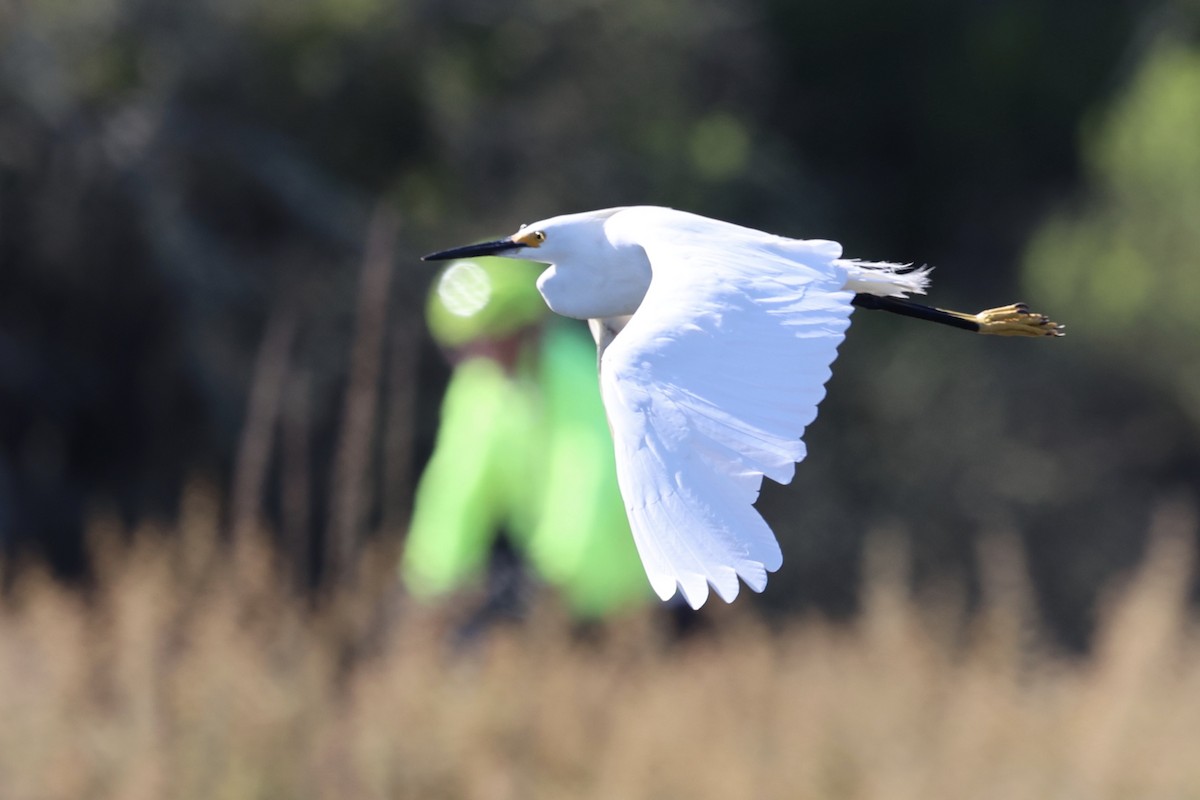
x: 711, y: 381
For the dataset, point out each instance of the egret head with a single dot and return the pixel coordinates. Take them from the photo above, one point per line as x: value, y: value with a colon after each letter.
x: 590, y: 275
x: 551, y: 241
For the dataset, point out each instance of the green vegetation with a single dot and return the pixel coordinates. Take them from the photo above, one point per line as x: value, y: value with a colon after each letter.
x: 1124, y: 264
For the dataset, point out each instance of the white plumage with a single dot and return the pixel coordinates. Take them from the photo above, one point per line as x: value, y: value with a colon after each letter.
x: 710, y: 384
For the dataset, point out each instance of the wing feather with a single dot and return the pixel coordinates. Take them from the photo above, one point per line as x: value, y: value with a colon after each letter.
x: 709, y: 388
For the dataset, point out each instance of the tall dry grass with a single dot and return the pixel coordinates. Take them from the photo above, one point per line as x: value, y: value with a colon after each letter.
x: 188, y: 672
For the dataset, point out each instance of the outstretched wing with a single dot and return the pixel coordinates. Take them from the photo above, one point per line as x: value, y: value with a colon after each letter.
x: 710, y: 386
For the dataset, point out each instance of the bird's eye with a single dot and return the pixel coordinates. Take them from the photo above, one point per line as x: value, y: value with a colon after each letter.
x: 529, y: 238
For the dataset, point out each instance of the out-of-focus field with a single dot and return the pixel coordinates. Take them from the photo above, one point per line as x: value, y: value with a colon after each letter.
x: 190, y: 672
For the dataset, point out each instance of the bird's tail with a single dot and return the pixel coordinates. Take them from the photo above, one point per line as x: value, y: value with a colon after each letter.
x: 884, y: 278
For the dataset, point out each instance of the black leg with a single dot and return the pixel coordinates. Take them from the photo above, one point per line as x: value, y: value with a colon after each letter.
x: 908, y: 308
x: 1013, y: 320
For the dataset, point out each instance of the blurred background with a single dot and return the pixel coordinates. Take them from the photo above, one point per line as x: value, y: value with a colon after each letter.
x: 212, y: 304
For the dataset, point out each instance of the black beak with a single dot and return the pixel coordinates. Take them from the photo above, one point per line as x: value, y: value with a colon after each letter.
x: 481, y: 249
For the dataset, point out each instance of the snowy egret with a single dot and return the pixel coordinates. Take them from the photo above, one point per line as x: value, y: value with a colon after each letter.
x: 715, y: 342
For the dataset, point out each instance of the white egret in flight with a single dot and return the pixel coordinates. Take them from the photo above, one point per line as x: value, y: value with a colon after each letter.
x: 715, y: 342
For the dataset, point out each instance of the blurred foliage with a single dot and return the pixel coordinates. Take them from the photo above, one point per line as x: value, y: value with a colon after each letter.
x: 192, y: 672
x: 175, y: 176
x: 1123, y: 266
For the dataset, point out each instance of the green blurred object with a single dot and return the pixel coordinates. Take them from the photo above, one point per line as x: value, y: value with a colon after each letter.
x: 470, y: 487
x: 526, y: 452
x: 581, y: 540
x: 1121, y: 268
x: 483, y: 297
x: 1124, y: 264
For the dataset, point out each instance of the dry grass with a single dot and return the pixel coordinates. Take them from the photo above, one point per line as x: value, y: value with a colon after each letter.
x: 188, y: 674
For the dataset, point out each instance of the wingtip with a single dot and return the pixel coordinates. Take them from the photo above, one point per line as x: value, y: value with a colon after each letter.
x: 695, y: 596
x: 755, y: 578
x: 698, y: 594
x: 665, y: 587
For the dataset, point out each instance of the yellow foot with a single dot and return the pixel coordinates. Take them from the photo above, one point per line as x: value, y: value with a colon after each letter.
x: 1016, y: 320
